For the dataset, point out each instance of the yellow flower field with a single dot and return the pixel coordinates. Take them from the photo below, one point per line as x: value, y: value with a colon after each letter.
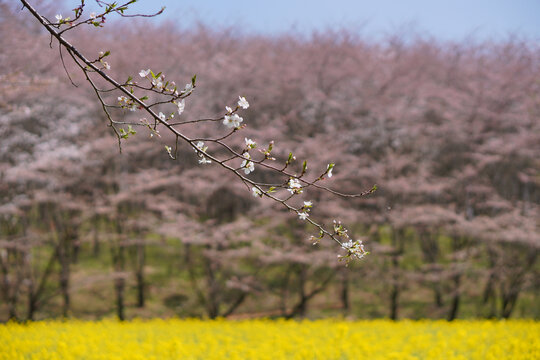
x: 269, y: 339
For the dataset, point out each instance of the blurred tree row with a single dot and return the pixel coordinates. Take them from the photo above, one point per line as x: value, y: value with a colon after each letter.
x: 449, y: 132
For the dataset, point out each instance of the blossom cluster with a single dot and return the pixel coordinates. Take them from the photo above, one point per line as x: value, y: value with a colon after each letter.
x: 127, y: 103
x: 303, y: 213
x: 294, y: 186
x: 201, y: 150
x: 354, y: 249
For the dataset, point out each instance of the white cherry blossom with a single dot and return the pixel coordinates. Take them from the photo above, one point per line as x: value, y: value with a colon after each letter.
x: 144, y: 73
x: 354, y: 248
x: 256, y: 192
x: 250, y: 143
x: 247, y: 166
x: 242, y: 102
x: 233, y: 121
x: 188, y: 88
x: 181, y: 106
x: 294, y: 186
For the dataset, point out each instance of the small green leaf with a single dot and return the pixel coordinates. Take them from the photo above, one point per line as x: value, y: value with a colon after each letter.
x: 193, y: 79
x: 290, y: 157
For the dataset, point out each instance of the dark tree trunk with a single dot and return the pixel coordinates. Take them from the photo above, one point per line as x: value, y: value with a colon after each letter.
x: 285, y: 291
x: 119, y: 286
x: 516, y: 280
x: 454, y: 307
x: 75, y: 252
x: 305, y: 296
x: 239, y: 301
x: 34, y: 294
x: 300, y: 309
x: 119, y: 261
x: 64, y: 278
x: 398, y: 244
x: 32, y: 307
x: 344, y: 295
x: 12, y: 306
x: 394, y: 293
x: 8, y: 283
x: 489, y: 296
x: 213, y: 299
x: 437, y: 295
x: 141, y: 257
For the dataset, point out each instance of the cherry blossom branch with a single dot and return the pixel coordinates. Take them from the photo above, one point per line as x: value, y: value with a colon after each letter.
x: 169, y: 94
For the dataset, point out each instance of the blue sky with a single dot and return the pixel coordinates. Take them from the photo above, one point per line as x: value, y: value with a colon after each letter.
x: 453, y: 20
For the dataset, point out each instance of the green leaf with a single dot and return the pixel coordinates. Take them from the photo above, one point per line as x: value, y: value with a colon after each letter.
x: 290, y: 157
x: 193, y: 79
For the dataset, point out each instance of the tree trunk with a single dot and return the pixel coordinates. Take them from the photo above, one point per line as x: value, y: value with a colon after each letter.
x: 7, y: 283
x: 300, y: 308
x: 34, y: 294
x: 398, y: 244
x: 283, y: 299
x: 140, y: 274
x: 213, y: 298
x: 239, y: 300
x: 437, y: 295
x: 32, y: 307
x: 64, y: 277
x: 394, y: 293
x: 455, y: 298
x: 344, y: 295
x: 119, y: 280
x: 119, y: 287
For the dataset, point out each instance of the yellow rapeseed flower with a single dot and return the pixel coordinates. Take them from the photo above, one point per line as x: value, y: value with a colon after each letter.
x: 270, y: 339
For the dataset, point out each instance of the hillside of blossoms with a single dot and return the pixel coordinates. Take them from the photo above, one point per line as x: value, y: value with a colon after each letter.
x: 448, y: 131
